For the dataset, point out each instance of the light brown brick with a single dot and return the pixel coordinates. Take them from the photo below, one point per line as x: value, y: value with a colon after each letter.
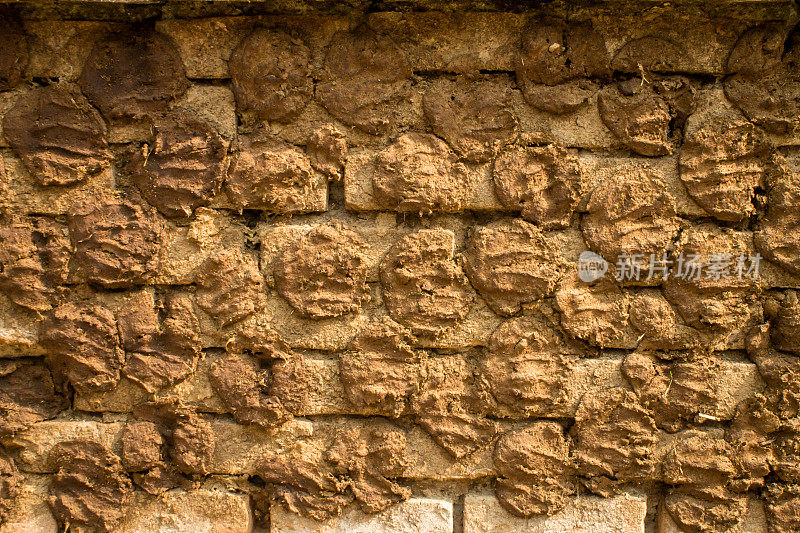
x: 416, y: 514
x: 198, y: 511
x: 754, y: 520
x: 29, y: 511
x: 624, y: 513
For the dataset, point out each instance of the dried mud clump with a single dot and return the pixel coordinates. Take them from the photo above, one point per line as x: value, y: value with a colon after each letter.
x: 381, y: 370
x: 631, y: 216
x: 524, y: 367
x: 765, y: 83
x: 188, y: 440
x: 115, y: 241
x: 90, y: 489
x: 60, y: 137
x: 82, y: 341
x: 229, y: 287
x: 365, y: 76
x: 775, y: 236
x: 324, y: 273
x: 424, y: 288
x: 270, y: 76
x: 535, y: 472
x: 637, y: 116
x: 182, y: 167
x: 268, y: 174
x: 559, y: 66
x: 370, y: 458
x: 10, y: 482
x: 261, y: 380
x: 511, y: 264
x: 721, y: 308
x: 28, y: 395
x: 15, y: 49
x: 162, y: 344
x: 596, y: 312
x: 541, y: 181
x: 34, y: 253
x: 701, y: 469
x: 327, y: 149
x: 783, y: 508
x: 723, y: 160
x: 133, y: 74
x: 473, y: 116
x: 451, y: 408
x: 658, y: 324
x: 780, y: 370
x: 783, y: 310
x: 676, y: 388
x: 303, y: 481
x: 419, y: 173
x: 143, y: 457
x: 614, y: 440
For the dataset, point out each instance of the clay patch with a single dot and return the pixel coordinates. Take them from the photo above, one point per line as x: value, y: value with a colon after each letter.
x: 182, y: 167
x: 596, y: 312
x: 540, y: 181
x: 10, y: 482
x: 143, y: 457
x: 270, y: 76
x: 381, y: 369
x: 419, y: 173
x: 59, y: 136
x: 366, y: 76
x: 452, y: 409
x: 424, y: 288
x: 614, y: 440
x: 637, y: 116
x: 524, y: 367
x: 674, y: 387
x: 783, y: 508
x: 261, y: 380
x: 133, y: 74
x: 90, y: 489
x: 115, y: 242
x: 83, y: 343
x: 162, y: 345
x: 324, y: 273
x: 631, y: 216
x: 474, y: 116
x: 722, y: 161
x: 229, y: 287
x: 780, y: 370
x: 535, y: 472
x: 327, y: 148
x: 649, y: 54
x: 558, y: 66
x: 775, y: 236
x: 511, y: 264
x: 28, y: 395
x: 271, y: 175
x: 701, y: 468
x: 34, y: 253
x: 765, y: 83
x: 15, y: 49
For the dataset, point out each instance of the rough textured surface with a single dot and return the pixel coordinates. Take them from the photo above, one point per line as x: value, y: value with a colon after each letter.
x: 511, y: 264
x: 28, y: 394
x: 182, y: 166
x: 133, y: 73
x: 540, y: 181
x: 424, y: 287
x: 270, y: 75
x: 365, y: 75
x: 15, y: 49
x: 229, y: 287
x: 268, y: 174
x: 324, y: 273
x: 90, y: 489
x: 536, y: 475
x: 419, y: 174
x: 115, y: 241
x: 60, y: 137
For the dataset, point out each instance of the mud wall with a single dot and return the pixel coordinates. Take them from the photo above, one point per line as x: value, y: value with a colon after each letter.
x: 283, y: 267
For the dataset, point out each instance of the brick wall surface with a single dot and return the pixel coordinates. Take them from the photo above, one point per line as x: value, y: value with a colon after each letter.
x: 314, y: 266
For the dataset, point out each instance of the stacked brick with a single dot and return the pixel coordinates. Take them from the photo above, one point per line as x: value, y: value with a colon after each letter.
x: 292, y: 272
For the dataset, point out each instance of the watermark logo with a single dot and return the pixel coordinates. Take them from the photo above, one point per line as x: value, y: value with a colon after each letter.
x: 638, y: 267
x: 591, y: 266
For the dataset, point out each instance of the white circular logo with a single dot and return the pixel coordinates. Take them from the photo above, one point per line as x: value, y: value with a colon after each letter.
x: 591, y: 266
